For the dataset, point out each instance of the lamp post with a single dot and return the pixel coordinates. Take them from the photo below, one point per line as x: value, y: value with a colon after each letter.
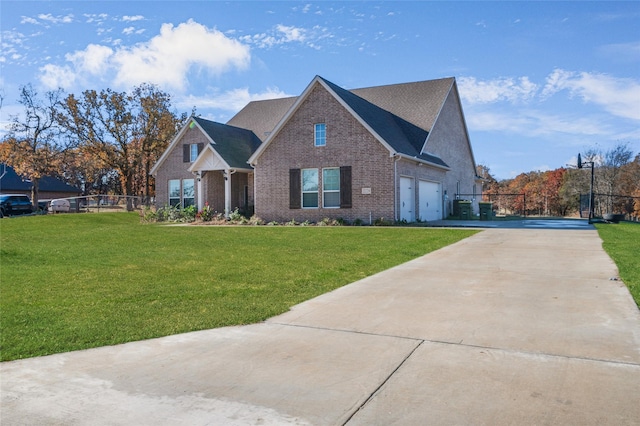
x: 581, y: 164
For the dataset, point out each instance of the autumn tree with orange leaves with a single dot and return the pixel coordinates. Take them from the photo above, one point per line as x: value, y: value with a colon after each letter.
x: 125, y: 132
x: 33, y: 146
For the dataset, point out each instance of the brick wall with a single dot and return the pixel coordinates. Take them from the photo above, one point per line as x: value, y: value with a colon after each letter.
x: 448, y: 140
x: 348, y: 144
x: 212, y: 181
x: 174, y: 168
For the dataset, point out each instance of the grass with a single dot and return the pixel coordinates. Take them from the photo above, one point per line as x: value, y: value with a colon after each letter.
x: 70, y: 282
x: 622, y: 242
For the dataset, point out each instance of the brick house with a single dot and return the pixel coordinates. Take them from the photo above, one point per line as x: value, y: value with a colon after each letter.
x: 399, y: 152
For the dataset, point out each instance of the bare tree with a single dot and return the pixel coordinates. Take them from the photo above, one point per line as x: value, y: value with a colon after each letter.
x: 32, y: 146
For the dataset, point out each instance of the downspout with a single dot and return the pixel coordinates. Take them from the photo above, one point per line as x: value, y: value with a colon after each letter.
x: 395, y: 187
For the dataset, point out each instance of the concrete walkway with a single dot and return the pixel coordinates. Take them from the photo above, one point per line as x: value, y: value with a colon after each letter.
x: 510, y: 326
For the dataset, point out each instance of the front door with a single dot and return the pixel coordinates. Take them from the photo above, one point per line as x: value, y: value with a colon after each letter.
x: 430, y: 203
x: 407, y: 197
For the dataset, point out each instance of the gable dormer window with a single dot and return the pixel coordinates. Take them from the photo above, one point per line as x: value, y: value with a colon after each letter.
x: 191, y: 151
x: 320, y: 134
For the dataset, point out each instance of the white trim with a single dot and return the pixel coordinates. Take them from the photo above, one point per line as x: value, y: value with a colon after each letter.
x: 207, y: 161
x: 252, y: 160
x: 302, y: 191
x: 420, y: 160
x: 316, y: 80
x: 331, y: 191
x: 175, y: 141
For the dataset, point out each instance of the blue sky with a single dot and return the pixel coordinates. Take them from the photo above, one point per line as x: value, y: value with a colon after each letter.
x: 539, y: 81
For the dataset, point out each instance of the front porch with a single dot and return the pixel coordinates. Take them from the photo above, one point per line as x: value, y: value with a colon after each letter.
x: 222, y: 187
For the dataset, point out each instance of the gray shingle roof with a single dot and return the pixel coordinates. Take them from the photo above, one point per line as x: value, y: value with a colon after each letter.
x: 403, y: 136
x: 235, y: 145
x: 402, y: 114
x: 262, y: 116
x: 419, y: 103
x: 12, y: 182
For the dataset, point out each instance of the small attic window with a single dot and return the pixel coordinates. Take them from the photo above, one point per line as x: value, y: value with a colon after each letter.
x: 320, y: 134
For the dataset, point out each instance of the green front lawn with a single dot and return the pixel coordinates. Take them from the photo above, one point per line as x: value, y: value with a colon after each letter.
x: 76, y: 281
x: 622, y: 242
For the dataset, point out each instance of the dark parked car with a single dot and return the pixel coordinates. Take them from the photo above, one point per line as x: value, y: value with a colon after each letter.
x: 13, y: 204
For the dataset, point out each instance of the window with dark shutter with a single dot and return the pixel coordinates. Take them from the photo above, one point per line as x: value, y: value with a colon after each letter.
x: 200, y: 147
x: 186, y: 153
x: 345, y: 187
x: 295, y: 190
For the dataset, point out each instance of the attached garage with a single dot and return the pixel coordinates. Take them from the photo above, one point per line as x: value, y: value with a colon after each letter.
x: 429, y: 201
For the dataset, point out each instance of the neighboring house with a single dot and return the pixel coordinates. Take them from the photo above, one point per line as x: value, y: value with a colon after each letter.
x: 49, y: 187
x: 399, y: 152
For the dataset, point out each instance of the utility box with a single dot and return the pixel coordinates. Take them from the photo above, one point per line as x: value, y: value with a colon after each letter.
x: 464, y: 210
x: 486, y: 211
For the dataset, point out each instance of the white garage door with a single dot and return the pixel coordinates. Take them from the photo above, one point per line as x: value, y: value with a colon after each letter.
x: 430, y: 202
x: 407, y: 196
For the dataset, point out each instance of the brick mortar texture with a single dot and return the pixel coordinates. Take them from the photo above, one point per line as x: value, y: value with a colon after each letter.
x: 348, y: 144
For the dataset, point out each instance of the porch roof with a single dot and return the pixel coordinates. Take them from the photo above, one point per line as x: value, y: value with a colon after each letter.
x: 233, y: 144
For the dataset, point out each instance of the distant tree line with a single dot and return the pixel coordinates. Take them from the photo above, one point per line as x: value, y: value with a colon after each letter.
x: 558, y: 192
x: 101, y: 142
x: 106, y: 143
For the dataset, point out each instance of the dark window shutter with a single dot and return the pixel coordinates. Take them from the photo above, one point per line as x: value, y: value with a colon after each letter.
x: 295, y: 189
x: 200, y: 147
x: 345, y: 187
x: 186, y: 154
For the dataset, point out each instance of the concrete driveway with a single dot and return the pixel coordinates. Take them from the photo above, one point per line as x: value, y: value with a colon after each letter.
x: 511, y: 326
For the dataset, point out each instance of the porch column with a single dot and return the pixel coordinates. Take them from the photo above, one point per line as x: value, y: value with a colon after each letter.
x: 227, y: 192
x: 200, y: 192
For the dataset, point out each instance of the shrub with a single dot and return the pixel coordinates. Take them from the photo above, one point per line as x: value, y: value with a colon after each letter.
x: 381, y: 221
x: 255, y: 220
x: 149, y: 215
x: 206, y: 214
x: 189, y: 214
x: 235, y: 216
x: 357, y: 222
x: 325, y: 222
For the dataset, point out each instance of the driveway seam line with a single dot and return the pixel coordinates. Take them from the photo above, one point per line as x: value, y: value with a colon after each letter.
x: 513, y: 351
x: 375, y: 391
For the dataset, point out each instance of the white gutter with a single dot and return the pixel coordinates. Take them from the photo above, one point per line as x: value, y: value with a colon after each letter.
x: 395, y: 186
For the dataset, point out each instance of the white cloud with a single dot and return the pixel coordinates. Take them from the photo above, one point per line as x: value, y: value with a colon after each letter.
x: 625, y: 52
x: 535, y: 123
x: 29, y: 20
x: 67, y: 19
x: 475, y: 91
x: 291, y: 33
x: 280, y: 34
x: 233, y: 100
x: 618, y: 96
x: 93, y: 60
x: 93, y: 17
x: 165, y: 59
x: 54, y: 76
x: 128, y: 30
x: 132, y: 18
